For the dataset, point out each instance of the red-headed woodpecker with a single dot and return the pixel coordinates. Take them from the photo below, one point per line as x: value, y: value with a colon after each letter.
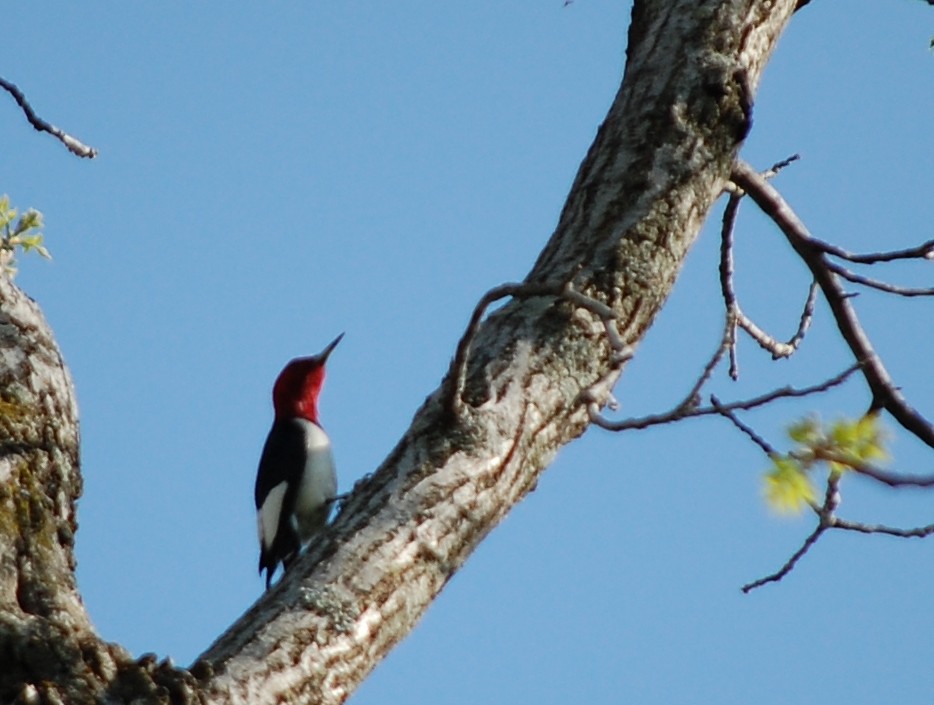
x: 296, y: 483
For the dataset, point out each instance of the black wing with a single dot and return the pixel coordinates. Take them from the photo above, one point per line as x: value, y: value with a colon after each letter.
x: 283, y: 461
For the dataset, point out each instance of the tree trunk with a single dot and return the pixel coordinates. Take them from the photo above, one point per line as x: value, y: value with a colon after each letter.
x: 659, y: 161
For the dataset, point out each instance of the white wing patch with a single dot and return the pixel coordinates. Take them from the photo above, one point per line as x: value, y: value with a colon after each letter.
x: 267, y: 518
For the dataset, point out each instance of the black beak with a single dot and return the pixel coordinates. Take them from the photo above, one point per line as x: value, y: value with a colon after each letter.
x: 323, y: 355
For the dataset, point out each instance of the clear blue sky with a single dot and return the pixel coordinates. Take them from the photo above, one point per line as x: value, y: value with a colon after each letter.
x: 273, y: 174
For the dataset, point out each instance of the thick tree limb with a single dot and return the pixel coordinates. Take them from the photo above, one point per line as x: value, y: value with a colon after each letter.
x: 658, y: 163
x: 42, y: 620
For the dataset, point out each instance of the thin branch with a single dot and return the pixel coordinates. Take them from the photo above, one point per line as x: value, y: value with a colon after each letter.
x: 778, y: 166
x: 734, y: 358
x: 726, y: 249
x: 885, y: 393
x: 727, y: 342
x: 74, y: 145
x: 892, y: 479
x: 790, y: 565
x: 919, y: 532
x: 686, y: 410
x: 785, y: 393
x: 807, y: 315
x: 826, y: 512
x: 877, y: 284
x: 923, y: 251
x: 753, y: 436
x: 827, y: 521
x: 726, y: 280
x: 834, y: 522
x: 768, y: 343
x: 777, y: 348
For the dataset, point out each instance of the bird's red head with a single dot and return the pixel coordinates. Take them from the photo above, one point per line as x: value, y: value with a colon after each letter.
x: 295, y: 393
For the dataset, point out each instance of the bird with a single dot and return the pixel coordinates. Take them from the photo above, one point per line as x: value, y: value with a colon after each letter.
x: 296, y: 482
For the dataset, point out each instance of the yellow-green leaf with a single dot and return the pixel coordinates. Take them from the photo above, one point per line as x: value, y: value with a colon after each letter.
x: 787, y: 488
x: 806, y: 431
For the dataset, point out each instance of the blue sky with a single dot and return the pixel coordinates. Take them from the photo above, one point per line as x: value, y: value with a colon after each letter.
x: 272, y: 175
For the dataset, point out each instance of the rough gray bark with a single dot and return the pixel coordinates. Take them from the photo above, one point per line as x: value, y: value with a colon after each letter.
x: 659, y: 161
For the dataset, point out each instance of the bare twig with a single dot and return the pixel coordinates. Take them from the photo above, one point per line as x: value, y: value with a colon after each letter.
x: 885, y: 393
x: 777, y: 348
x: 923, y: 251
x: 687, y: 410
x: 827, y: 520
x: 726, y: 279
x: 834, y: 522
x: 790, y: 564
x: 753, y: 436
x: 734, y: 358
x: 692, y: 400
x: 807, y: 315
x: 919, y: 532
x: 778, y: 166
x: 734, y: 313
x: 886, y: 477
x: 876, y: 284
x: 74, y: 145
x: 726, y: 249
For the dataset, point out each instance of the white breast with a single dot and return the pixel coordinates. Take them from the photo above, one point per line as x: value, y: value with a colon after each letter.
x: 319, y: 482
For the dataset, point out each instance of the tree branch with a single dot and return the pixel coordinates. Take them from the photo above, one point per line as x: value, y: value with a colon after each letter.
x: 74, y: 145
x: 789, y: 565
x: 876, y: 284
x: 885, y: 477
x: 621, y: 238
x: 735, y: 315
x: 923, y: 251
x: 885, y: 393
x: 743, y: 428
x: 920, y: 532
x: 686, y: 410
x: 826, y: 514
x: 680, y: 115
